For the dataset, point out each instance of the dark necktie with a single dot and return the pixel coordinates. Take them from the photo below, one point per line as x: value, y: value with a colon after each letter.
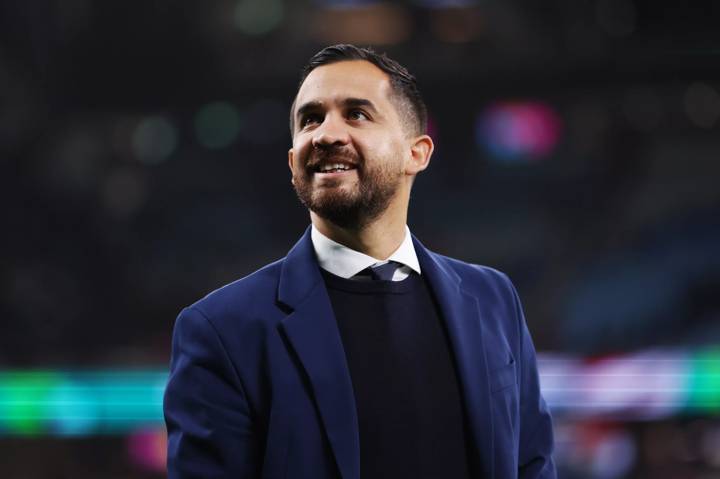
x: 383, y: 272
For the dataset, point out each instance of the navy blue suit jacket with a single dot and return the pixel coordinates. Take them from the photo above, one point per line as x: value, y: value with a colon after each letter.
x: 259, y: 385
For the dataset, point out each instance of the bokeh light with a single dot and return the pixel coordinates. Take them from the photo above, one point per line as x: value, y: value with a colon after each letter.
x: 74, y: 409
x: 371, y: 24
x: 458, y: 24
x: 257, y: 17
x: 217, y: 124
x: 518, y: 131
x: 148, y: 449
x: 154, y: 139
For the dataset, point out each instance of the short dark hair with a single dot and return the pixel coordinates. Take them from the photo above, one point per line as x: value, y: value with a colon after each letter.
x: 407, y: 97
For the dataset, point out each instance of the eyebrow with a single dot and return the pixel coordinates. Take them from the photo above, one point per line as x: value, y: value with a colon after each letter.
x: 347, y: 103
x: 355, y: 102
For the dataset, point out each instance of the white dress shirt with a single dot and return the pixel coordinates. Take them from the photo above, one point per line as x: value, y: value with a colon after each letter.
x: 346, y: 262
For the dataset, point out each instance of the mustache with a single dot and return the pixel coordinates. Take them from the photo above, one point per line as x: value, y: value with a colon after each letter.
x: 332, y: 154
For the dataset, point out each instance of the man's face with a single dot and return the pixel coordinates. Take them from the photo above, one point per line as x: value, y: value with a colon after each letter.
x: 349, y: 144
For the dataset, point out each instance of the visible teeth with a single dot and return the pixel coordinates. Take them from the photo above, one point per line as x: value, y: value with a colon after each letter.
x: 336, y: 166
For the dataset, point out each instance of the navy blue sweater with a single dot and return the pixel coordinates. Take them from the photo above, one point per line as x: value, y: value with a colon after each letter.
x: 408, y: 399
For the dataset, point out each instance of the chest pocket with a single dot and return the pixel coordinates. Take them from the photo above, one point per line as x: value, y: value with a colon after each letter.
x: 503, y: 377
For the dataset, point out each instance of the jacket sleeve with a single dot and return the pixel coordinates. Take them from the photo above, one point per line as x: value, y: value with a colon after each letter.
x: 209, y: 425
x: 536, y: 433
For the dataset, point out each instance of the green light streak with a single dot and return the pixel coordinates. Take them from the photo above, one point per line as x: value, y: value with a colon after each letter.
x: 705, y: 382
x: 23, y: 401
x: 80, y: 403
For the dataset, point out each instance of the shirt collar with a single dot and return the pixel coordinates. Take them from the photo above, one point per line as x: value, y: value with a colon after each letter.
x: 346, y: 262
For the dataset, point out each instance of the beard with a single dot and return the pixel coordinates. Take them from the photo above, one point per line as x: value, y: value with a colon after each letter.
x: 353, y: 207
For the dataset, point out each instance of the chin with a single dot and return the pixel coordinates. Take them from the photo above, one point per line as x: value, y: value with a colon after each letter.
x: 337, y: 198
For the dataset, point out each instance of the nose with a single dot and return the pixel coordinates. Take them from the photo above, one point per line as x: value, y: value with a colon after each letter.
x: 330, y: 132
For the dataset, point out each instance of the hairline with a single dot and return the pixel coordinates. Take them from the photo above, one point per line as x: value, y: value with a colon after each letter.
x: 395, y: 96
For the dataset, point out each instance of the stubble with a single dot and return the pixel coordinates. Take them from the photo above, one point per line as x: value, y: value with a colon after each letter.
x: 349, y: 207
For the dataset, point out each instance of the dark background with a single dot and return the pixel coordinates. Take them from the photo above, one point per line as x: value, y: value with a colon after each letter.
x: 143, y: 147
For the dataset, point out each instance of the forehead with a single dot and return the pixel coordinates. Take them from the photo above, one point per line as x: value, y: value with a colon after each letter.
x: 345, y: 79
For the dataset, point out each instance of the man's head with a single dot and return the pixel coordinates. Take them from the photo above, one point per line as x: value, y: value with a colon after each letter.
x: 358, y: 127
x: 405, y: 93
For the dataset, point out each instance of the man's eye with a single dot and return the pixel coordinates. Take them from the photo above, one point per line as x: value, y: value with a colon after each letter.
x: 357, y: 115
x: 308, y: 119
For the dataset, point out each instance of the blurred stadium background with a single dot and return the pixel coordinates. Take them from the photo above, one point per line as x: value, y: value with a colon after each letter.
x: 143, y: 147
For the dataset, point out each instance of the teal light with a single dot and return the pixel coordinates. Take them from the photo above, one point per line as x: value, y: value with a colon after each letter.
x: 80, y: 403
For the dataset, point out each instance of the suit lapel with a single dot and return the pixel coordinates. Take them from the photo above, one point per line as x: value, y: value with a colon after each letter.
x: 462, y: 316
x: 312, y: 332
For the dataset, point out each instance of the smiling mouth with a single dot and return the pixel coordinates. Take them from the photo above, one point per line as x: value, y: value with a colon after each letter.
x: 333, y: 168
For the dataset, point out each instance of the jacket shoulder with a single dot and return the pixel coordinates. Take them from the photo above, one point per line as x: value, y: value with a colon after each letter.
x: 495, y: 291
x: 250, y: 296
x: 477, y: 275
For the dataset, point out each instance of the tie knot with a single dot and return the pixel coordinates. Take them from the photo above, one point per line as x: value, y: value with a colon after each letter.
x: 384, y: 272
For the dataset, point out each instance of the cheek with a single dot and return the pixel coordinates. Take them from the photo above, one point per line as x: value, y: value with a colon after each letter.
x: 390, y: 156
x: 377, y: 149
x: 301, y: 150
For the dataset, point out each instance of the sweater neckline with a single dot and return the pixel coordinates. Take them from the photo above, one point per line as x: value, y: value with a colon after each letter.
x: 336, y: 282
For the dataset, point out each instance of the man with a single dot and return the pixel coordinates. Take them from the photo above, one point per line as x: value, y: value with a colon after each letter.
x: 361, y: 353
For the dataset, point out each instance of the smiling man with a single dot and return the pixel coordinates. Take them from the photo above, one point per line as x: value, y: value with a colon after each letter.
x: 361, y: 353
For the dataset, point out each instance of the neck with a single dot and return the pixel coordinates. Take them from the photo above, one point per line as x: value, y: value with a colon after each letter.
x: 378, y: 239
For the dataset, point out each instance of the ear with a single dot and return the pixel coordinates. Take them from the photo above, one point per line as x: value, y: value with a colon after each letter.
x: 291, y: 162
x: 420, y: 152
